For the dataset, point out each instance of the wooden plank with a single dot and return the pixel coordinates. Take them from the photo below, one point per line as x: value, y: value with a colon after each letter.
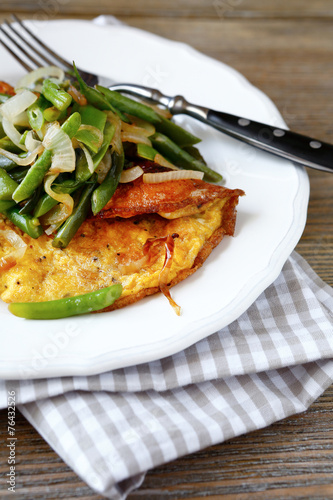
x: 176, y: 8
x: 290, y: 459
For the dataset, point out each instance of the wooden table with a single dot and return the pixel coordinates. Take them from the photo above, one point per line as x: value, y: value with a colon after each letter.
x: 285, y: 48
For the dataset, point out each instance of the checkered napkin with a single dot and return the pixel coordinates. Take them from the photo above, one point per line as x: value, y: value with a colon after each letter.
x: 270, y: 363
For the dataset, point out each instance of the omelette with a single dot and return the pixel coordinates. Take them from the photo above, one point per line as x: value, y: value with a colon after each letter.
x: 148, y: 238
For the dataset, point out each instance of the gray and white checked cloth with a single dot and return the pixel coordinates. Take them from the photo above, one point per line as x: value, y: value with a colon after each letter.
x: 272, y: 362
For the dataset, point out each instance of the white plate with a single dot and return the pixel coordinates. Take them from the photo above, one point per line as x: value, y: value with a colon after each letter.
x: 271, y: 217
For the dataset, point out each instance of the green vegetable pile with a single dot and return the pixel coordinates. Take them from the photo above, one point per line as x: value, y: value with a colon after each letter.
x: 63, y: 151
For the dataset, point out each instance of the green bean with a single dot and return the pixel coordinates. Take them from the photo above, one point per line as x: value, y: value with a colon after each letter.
x: 8, y: 145
x: 104, y: 191
x: 52, y: 114
x: 82, y: 171
x: 28, y: 224
x: 90, y: 138
x: 55, y: 94
x: 193, y: 151
x: 74, y: 221
x: 6, y: 205
x: 72, y: 124
x: 24, y: 136
x: 34, y: 177
x: 19, y: 173
x: 146, y: 152
x: 6, y: 163
x: 7, y: 186
x: 46, y: 202
x: 69, y: 306
x: 176, y: 133
x: 92, y: 116
x: 38, y: 170
x: 92, y: 95
x: 35, y: 112
x: 30, y: 204
x: 95, y: 97
x: 130, y: 106
x: 181, y: 158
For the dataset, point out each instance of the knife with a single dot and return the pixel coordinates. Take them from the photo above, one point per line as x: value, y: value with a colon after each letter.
x: 279, y: 141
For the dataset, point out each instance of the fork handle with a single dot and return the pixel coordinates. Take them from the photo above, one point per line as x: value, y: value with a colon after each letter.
x: 281, y: 142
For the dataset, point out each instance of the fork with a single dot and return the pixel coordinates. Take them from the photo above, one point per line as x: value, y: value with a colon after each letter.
x: 278, y: 141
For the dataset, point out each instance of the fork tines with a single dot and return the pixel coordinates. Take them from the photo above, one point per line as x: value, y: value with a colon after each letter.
x: 27, y: 48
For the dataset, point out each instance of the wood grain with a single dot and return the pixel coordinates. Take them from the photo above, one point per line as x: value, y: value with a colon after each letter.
x: 284, y: 9
x: 290, y: 459
x: 286, y: 49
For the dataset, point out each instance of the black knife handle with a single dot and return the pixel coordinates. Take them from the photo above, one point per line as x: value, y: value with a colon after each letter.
x: 279, y: 141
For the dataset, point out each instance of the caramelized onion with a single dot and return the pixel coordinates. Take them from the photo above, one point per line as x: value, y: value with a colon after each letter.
x: 95, y: 132
x: 160, y: 160
x: 135, y: 129
x: 60, y: 212
x: 15, y: 105
x: 130, y: 174
x: 29, y: 80
x: 139, y: 122
x: 116, y: 142
x: 104, y: 167
x: 19, y: 249
x: 163, y: 280
x: 174, y: 175
x: 151, y: 250
x: 89, y: 159
x: 63, y: 154
x: 12, y: 133
x: 136, y: 138
x: 77, y: 96
x: 22, y: 162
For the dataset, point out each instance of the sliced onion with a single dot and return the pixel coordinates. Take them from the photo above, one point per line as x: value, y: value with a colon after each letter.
x: 23, y: 162
x: 116, y: 142
x: 136, y: 138
x: 12, y: 133
x: 149, y: 250
x: 89, y: 159
x: 160, y: 111
x: 104, y: 167
x: 57, y: 141
x: 19, y: 249
x: 77, y: 96
x: 130, y: 174
x: 51, y: 229
x: 164, y: 278
x: 40, y: 134
x: 143, y: 124
x: 160, y: 160
x: 134, y: 129
x: 29, y: 80
x: 30, y: 142
x: 54, y: 218
x: 172, y: 176
x: 96, y: 132
x: 21, y: 120
x: 17, y: 104
x: 63, y: 198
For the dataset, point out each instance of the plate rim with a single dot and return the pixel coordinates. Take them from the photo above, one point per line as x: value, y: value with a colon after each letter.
x: 87, y: 365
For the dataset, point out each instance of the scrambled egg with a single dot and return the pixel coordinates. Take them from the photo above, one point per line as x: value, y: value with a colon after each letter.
x: 106, y: 251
